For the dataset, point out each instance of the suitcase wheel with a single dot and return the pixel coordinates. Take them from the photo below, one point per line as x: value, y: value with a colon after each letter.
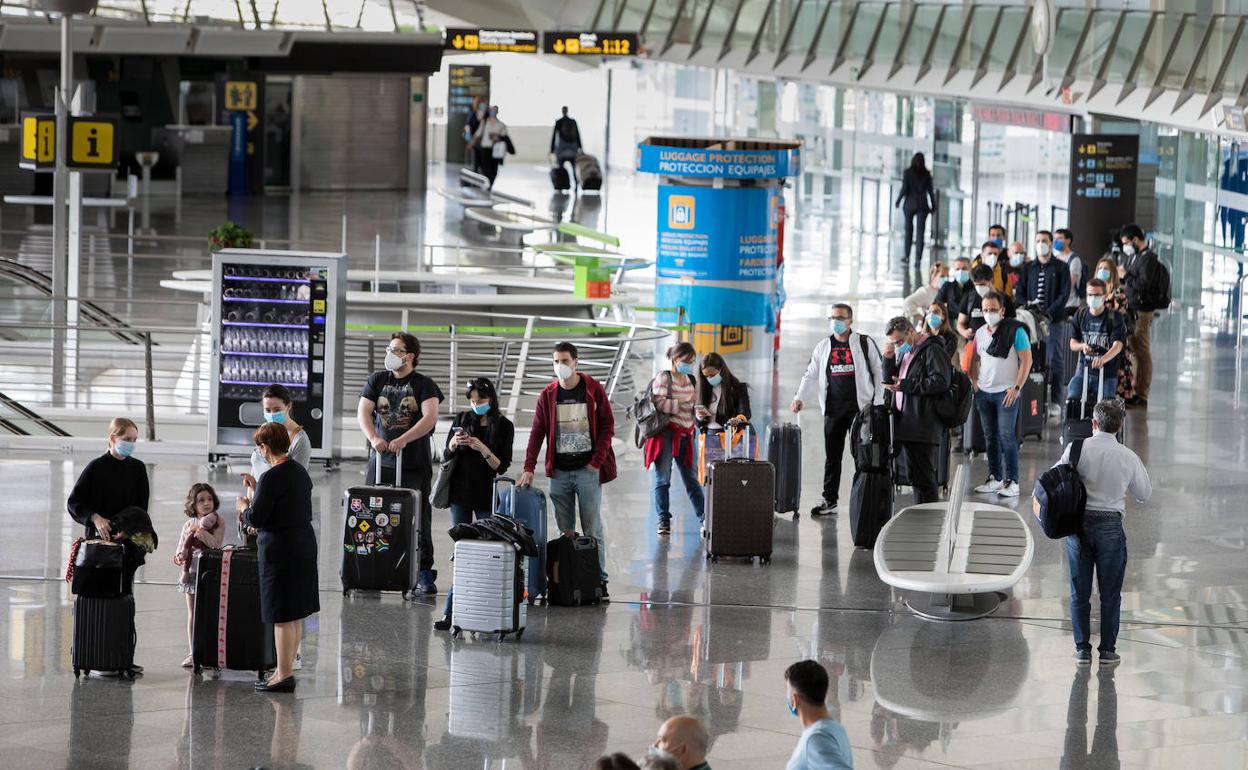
x: 404, y: 596
x: 797, y: 515
x: 76, y: 673
x: 502, y: 635
x: 715, y: 559
x: 764, y: 559
x: 199, y: 670
x: 456, y: 631
x: 519, y: 634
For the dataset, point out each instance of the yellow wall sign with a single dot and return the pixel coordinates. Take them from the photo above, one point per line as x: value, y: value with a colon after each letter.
x: 590, y: 43
x: 240, y: 95
x: 92, y: 142
x: 38, y: 141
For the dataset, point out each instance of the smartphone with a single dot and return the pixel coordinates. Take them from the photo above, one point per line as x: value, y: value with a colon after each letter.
x: 458, y: 431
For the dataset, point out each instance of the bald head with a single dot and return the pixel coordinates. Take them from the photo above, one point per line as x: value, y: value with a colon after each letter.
x: 684, y: 738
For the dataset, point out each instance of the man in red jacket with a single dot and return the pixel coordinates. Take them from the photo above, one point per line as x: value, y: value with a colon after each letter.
x: 574, y: 417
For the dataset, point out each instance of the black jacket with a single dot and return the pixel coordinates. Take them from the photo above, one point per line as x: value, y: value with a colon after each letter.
x: 952, y: 294
x: 107, y: 486
x: 472, y: 483
x: 732, y: 401
x: 927, y: 379
x: 1141, y: 272
x: 565, y: 134
x: 916, y: 192
x: 1056, y: 274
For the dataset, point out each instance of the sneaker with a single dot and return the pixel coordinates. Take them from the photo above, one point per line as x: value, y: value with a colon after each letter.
x: 1055, y: 410
x: 426, y: 584
x: 989, y: 486
x: 189, y: 661
x: 1008, y: 489
x: 1083, y: 657
x: 824, y: 508
x: 665, y: 527
x: 442, y: 625
x: 1108, y: 658
x: 606, y: 597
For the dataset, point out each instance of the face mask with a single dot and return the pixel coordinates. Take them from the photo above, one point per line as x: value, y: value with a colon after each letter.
x: 1016, y: 259
x: 792, y: 708
x: 277, y: 417
x: 934, y: 321
x: 1042, y: 249
x: 684, y: 367
x: 1096, y: 302
x: 903, y: 349
x: 839, y: 326
x: 125, y: 448
x: 1103, y: 274
x: 563, y: 371
x: 493, y: 113
x: 992, y: 319
x: 1059, y: 245
x: 998, y: 242
x: 989, y: 259
x: 941, y: 280
x: 714, y: 381
x: 393, y: 362
x: 962, y: 276
x: 481, y: 409
x: 982, y: 291
x: 1129, y: 249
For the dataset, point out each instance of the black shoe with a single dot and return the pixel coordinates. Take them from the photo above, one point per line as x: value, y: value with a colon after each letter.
x: 665, y: 527
x: 442, y: 625
x: 825, y: 508
x: 606, y: 597
x: 286, y: 685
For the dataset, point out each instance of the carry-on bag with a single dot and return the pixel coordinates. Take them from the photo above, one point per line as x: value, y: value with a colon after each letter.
x: 526, y: 505
x: 559, y: 178
x: 871, y: 438
x: 588, y: 172
x: 784, y: 452
x: 97, y: 568
x: 1077, y: 420
x: 103, y: 634
x: 901, y: 465
x: 573, y: 576
x: 227, y: 631
x: 1033, y: 405
x: 870, y: 506
x: 739, y: 501
x: 489, y: 589
x: 1059, y: 498
x: 381, y: 535
x: 715, y: 444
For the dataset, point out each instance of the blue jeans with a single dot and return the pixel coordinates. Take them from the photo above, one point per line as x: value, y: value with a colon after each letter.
x: 462, y: 514
x: 1000, y: 438
x: 580, y: 488
x: 1056, y: 349
x: 661, y: 480
x: 1102, y: 545
x: 1075, y: 388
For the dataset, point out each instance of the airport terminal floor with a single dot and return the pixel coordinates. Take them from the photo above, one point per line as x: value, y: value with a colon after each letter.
x: 379, y: 688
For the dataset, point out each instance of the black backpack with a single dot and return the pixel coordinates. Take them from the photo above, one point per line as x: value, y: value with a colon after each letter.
x: 1059, y: 498
x: 871, y: 437
x: 955, y: 407
x: 1157, y: 294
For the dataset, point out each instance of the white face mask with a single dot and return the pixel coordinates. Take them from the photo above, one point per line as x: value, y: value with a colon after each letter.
x: 1042, y: 249
x: 982, y: 291
x: 1129, y: 249
x: 563, y: 371
x: 990, y: 260
x: 992, y: 319
x: 393, y: 362
x: 1095, y: 301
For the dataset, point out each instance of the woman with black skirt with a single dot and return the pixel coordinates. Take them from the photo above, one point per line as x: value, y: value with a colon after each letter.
x: 281, y: 512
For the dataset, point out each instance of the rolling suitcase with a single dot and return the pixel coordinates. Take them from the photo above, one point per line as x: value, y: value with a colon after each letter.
x: 973, y: 432
x: 573, y: 575
x: 739, y: 499
x: 784, y: 452
x: 489, y: 589
x: 527, y: 505
x: 227, y: 631
x: 870, y: 506
x: 380, y: 535
x: 1077, y: 421
x: 872, y: 435
x: 103, y: 634
x: 901, y: 466
x: 559, y: 178
x: 1033, y: 405
x: 588, y: 172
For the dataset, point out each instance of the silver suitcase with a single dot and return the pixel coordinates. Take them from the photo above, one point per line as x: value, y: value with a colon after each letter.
x: 487, y: 576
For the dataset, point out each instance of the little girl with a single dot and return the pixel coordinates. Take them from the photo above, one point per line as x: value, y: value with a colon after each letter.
x: 203, y: 529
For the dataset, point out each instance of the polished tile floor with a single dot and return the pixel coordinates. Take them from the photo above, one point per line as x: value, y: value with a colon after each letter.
x: 380, y: 689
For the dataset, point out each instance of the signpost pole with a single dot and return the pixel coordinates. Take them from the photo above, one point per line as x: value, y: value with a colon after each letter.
x: 73, y: 259
x: 60, y: 183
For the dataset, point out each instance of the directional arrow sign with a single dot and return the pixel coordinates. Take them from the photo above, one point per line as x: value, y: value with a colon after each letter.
x: 458, y: 42
x: 252, y: 120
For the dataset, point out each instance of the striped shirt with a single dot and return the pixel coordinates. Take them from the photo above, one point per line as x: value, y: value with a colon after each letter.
x: 676, y: 400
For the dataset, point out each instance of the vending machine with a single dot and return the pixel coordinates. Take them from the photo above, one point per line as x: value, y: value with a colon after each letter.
x: 278, y: 317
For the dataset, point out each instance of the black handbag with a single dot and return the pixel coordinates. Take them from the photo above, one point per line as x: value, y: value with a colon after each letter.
x: 99, y: 569
x: 440, y: 496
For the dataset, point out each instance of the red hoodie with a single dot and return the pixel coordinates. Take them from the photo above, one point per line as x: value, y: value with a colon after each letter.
x: 601, y: 429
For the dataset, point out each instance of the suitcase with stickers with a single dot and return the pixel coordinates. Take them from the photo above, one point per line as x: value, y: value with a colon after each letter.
x: 380, y: 536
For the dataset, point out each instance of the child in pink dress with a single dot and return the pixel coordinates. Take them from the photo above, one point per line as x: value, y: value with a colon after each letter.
x: 204, y: 528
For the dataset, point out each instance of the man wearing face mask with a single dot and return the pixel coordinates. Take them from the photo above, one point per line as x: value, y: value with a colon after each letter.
x: 1046, y: 281
x: 1148, y: 290
x: 971, y: 314
x: 954, y: 291
x: 573, y: 416
x: 917, y: 373
x: 1060, y: 327
x: 392, y: 428
x: 824, y: 744
x: 999, y: 368
x: 990, y: 257
x: 846, y: 372
x: 1099, y: 335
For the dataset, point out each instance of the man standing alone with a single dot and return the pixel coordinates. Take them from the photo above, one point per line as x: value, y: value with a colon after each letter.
x: 565, y: 143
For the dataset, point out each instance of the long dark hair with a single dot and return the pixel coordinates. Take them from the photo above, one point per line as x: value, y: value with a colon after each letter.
x: 918, y: 166
x: 484, y: 387
x: 728, y: 386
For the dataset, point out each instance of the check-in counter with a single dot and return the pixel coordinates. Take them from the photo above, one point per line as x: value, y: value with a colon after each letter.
x: 203, y: 153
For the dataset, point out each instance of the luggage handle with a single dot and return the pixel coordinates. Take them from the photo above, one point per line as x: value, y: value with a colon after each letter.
x: 494, y: 495
x: 1087, y: 381
x: 748, y: 431
x: 398, y: 469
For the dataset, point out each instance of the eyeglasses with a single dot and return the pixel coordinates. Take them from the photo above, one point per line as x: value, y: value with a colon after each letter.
x: 397, y: 351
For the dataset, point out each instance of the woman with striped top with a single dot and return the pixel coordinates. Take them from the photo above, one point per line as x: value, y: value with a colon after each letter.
x: 674, y: 393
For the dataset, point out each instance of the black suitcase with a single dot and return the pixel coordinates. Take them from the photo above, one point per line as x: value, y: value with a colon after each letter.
x: 559, y: 178
x: 1077, y: 419
x: 1033, y: 405
x: 104, y: 636
x: 739, y: 500
x: 870, y: 507
x: 235, y: 638
x: 973, y: 432
x: 871, y: 438
x: 573, y: 576
x: 901, y: 465
x: 784, y: 451
x: 380, y: 537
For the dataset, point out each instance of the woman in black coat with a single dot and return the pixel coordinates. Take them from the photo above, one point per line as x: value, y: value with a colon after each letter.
x: 721, y: 395
x: 919, y: 201
x: 281, y: 512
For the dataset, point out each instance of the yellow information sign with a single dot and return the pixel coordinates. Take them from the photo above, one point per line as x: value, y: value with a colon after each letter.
x: 590, y: 43
x: 494, y: 40
x: 92, y: 143
x: 240, y: 95
x: 38, y: 141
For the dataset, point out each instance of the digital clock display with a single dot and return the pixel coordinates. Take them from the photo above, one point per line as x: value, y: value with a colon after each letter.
x: 590, y: 43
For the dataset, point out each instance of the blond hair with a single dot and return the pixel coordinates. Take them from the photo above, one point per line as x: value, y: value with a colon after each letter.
x: 937, y: 268
x: 120, y: 426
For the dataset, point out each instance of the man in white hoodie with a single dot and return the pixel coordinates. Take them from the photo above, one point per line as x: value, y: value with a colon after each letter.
x: 847, y: 369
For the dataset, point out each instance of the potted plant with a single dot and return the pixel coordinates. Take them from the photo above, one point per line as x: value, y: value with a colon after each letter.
x: 229, y: 236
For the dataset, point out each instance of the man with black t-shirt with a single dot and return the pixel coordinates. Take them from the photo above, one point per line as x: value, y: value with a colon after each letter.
x: 1100, y: 334
x: 397, y: 413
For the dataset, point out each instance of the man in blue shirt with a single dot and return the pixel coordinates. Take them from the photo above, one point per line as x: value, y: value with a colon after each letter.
x: 824, y: 744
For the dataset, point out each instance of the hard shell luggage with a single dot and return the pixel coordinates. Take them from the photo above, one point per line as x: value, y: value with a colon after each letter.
x: 573, y: 575
x: 380, y: 535
x: 588, y: 172
x: 1033, y: 405
x: 489, y: 589
x: 227, y: 631
x: 527, y: 505
x: 739, y: 509
x: 559, y: 178
x: 870, y: 507
x: 1077, y: 421
x: 901, y: 465
x: 784, y: 452
x: 973, y: 433
x: 103, y: 634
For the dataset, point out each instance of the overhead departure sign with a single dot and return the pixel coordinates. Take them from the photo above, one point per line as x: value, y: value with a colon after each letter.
x: 491, y: 40
x: 590, y: 43
x: 38, y: 141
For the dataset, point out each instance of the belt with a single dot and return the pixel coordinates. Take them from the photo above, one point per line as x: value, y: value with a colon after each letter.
x: 1094, y: 512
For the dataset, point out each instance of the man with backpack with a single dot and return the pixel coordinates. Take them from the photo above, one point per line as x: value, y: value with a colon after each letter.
x: 1147, y: 282
x: 1108, y: 471
x: 917, y: 375
x: 565, y: 143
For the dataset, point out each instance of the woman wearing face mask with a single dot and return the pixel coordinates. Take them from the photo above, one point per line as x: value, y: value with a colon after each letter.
x: 276, y: 402
x: 721, y: 396
x: 1116, y: 300
x: 481, y: 438
x: 936, y: 322
x: 916, y: 304
x: 675, y: 392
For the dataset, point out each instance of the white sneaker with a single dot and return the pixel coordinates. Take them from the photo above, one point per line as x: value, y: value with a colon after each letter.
x: 989, y: 486
x: 1008, y: 489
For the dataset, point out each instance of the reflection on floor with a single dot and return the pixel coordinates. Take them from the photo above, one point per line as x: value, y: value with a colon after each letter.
x: 380, y: 689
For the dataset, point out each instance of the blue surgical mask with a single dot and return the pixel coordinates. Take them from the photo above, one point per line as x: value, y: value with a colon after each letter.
x: 684, y: 367
x: 792, y: 708
x: 934, y: 321
x: 962, y: 276
x: 1096, y: 301
x: 481, y: 409
x: 999, y: 242
x: 1016, y: 259
x: 903, y: 349
x: 714, y: 381
x: 125, y: 448
x: 277, y: 417
x: 1103, y: 274
x: 1059, y: 245
x: 839, y: 326
x: 941, y: 280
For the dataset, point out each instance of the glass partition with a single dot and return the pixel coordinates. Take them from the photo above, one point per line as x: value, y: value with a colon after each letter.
x: 807, y: 22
